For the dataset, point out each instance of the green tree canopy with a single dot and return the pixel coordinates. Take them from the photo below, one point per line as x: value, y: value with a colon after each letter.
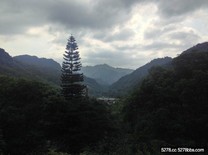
x: 170, y: 108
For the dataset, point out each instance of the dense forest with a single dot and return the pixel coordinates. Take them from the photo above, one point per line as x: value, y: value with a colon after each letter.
x: 167, y: 109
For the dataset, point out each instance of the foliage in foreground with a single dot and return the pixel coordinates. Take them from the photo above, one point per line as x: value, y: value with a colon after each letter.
x: 170, y: 108
x: 35, y: 118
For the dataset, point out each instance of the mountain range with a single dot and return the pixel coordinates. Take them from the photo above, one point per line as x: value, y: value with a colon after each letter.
x: 48, y: 70
x: 129, y: 82
x: 100, y: 79
x: 105, y: 74
x: 42, y: 69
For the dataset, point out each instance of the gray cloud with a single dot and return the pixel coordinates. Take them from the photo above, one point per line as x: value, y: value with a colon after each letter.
x: 97, y: 20
x: 114, y: 58
x: 172, y: 39
x: 108, y: 36
x: 160, y: 30
x: 17, y: 16
x: 159, y: 45
x: 129, y: 48
x: 176, y: 8
x: 184, y: 36
x: 102, y: 14
x: 77, y: 15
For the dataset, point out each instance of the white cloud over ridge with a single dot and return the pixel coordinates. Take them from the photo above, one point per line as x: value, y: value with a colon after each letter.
x: 121, y: 33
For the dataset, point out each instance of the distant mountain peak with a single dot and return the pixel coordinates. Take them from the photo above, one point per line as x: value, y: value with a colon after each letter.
x: 105, y: 74
x: 103, y: 66
x: 5, y: 58
x: 32, y: 57
x: 34, y: 60
x: 3, y: 53
x: 2, y: 50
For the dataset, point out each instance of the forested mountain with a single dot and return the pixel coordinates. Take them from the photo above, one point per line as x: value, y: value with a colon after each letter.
x: 34, y: 68
x: 38, y: 62
x: 41, y: 69
x: 202, y: 47
x: 5, y: 58
x: 46, y: 69
x: 105, y: 74
x: 170, y: 107
x: 8, y: 66
x: 128, y: 82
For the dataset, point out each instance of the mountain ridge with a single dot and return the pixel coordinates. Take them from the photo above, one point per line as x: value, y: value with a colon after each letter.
x: 200, y: 47
x: 105, y: 74
x: 34, y: 60
x: 129, y: 81
x: 19, y: 67
x: 41, y: 69
x: 5, y: 58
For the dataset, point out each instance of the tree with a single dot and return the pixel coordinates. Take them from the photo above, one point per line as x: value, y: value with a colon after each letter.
x: 22, y: 115
x: 79, y: 125
x: 71, y: 78
x: 170, y: 107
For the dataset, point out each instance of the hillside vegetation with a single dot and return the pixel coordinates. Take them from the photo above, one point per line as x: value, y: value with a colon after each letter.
x: 167, y: 108
x: 170, y: 107
x: 130, y: 81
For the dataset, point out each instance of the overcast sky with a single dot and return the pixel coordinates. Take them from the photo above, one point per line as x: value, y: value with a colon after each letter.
x: 121, y: 33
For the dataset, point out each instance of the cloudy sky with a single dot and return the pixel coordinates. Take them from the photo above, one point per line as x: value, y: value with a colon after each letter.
x: 121, y: 33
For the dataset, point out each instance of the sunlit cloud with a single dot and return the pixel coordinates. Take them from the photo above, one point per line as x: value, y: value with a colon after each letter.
x: 119, y: 33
